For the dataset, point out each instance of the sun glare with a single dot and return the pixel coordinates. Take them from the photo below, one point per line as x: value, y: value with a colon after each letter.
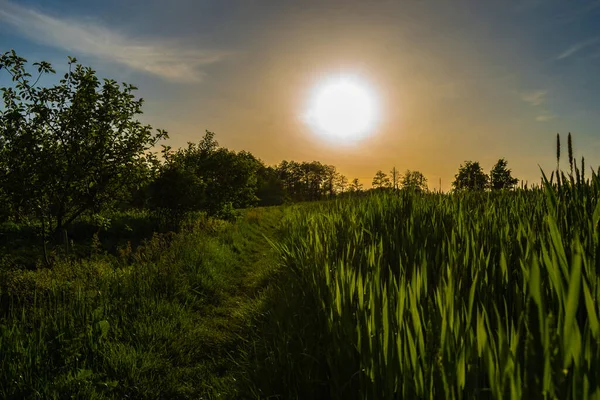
x: 343, y: 107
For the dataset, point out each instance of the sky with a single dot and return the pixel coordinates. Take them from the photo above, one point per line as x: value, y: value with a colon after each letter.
x: 455, y: 80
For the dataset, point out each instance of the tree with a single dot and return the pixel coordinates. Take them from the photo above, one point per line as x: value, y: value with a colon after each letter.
x: 307, y: 181
x: 414, y: 180
x: 470, y: 177
x: 500, y: 176
x: 341, y: 183
x: 224, y: 178
x: 381, y: 180
x: 330, y: 176
x: 72, y: 148
x: 356, y: 186
x: 269, y: 188
x: 177, y: 190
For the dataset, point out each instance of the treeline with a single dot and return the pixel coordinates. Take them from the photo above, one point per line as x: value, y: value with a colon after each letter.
x: 77, y: 148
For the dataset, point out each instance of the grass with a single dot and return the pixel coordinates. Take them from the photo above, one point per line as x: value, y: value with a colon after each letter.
x: 170, y: 323
x: 469, y: 295
x: 396, y: 295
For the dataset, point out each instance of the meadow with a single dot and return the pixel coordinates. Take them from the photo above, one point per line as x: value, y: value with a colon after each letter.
x: 459, y: 296
x: 393, y: 294
x: 165, y: 319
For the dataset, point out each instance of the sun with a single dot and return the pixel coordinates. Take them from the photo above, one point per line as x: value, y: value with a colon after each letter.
x: 343, y: 107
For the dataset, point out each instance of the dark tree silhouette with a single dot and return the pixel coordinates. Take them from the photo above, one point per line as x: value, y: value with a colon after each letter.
x: 356, y: 186
x: 73, y: 148
x: 414, y: 180
x: 500, y: 176
x: 217, y: 179
x: 381, y: 180
x: 470, y: 177
x: 341, y: 183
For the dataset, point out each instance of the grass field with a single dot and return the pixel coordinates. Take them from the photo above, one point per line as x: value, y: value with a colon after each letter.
x: 469, y: 295
x: 170, y: 324
x: 389, y: 296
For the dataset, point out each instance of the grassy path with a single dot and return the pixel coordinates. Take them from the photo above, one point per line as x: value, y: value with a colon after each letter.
x: 230, y: 324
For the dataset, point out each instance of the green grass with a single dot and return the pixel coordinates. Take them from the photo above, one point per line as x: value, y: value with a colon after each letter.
x: 168, y: 323
x: 389, y: 296
x: 469, y: 295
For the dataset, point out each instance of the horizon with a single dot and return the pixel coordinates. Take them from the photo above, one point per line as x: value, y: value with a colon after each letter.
x: 467, y: 81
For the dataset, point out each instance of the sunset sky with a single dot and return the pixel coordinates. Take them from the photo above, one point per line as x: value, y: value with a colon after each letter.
x: 456, y: 80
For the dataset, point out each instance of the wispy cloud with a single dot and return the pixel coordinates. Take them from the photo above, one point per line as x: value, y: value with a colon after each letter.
x: 576, y: 48
x: 167, y: 59
x: 535, y: 98
x: 546, y: 116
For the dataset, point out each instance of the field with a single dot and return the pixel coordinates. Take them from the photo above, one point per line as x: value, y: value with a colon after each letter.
x: 386, y: 296
x: 158, y: 321
x: 473, y: 295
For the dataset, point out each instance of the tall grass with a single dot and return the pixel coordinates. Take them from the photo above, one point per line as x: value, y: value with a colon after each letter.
x: 468, y: 295
x: 164, y: 322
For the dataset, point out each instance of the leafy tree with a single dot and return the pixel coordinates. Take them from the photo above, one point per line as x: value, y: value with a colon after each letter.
x: 72, y: 148
x: 470, y: 177
x: 414, y: 180
x: 330, y: 176
x: 381, y: 180
x: 356, y: 186
x: 341, y: 183
x: 270, y: 189
x: 307, y: 181
x: 177, y: 190
x: 223, y: 179
x: 500, y: 176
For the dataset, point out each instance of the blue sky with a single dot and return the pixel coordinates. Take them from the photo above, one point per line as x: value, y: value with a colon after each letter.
x: 460, y: 80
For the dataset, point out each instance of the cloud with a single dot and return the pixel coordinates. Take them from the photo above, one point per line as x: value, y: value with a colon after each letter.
x: 578, y: 47
x: 534, y: 98
x: 167, y: 59
x: 545, y: 117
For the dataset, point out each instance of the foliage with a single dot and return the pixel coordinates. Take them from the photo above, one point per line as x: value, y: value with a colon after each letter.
x: 457, y: 296
x: 307, y: 181
x: 500, y: 176
x: 168, y: 325
x: 205, y: 177
x: 177, y: 189
x: 269, y: 188
x: 470, y: 177
x: 381, y: 180
x: 71, y: 148
x: 341, y: 183
x: 414, y: 180
x: 356, y: 186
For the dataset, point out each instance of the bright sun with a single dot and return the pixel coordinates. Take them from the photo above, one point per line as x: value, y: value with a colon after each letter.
x: 343, y: 107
